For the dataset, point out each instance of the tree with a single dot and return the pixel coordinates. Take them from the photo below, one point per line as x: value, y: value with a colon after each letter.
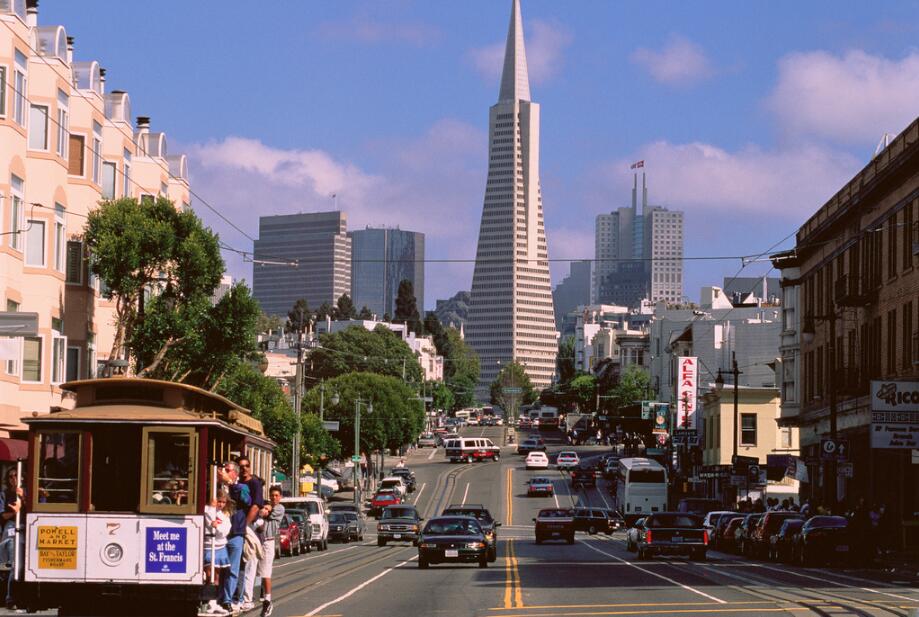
x: 442, y: 396
x: 150, y: 247
x: 298, y: 317
x: 365, y: 313
x: 344, y: 308
x: 564, y: 363
x: 436, y: 331
x: 268, y: 323
x: 407, y: 307
x: 583, y: 391
x: 357, y: 349
x: 504, y: 389
x: 325, y: 310
x: 634, y: 385
x: 461, y: 369
x: 397, y: 417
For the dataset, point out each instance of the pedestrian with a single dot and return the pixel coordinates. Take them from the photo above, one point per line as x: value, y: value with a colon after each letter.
x: 242, y: 501
x: 270, y: 518
x: 217, y: 515
x: 861, y: 530
x: 806, y: 508
x: 11, y: 500
x: 257, y: 491
x: 886, y: 532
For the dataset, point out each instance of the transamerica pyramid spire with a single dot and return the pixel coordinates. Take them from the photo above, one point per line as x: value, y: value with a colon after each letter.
x: 511, y: 318
x: 515, y: 79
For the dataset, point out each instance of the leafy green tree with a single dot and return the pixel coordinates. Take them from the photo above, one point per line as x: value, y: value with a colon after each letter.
x: 325, y: 310
x: 503, y: 389
x: 583, y: 391
x: 344, y: 308
x: 442, y: 395
x: 434, y: 329
x: 461, y: 368
x: 365, y: 313
x: 407, y: 307
x: 268, y: 323
x: 357, y: 349
x: 150, y: 246
x: 564, y: 363
x: 634, y: 385
x: 397, y: 417
x: 298, y: 317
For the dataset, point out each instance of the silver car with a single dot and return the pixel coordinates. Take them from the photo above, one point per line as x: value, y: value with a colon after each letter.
x: 427, y: 440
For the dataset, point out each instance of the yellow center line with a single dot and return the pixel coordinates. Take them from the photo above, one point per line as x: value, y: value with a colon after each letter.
x: 509, y: 510
x: 508, y: 577
x: 518, y: 593
x: 513, y: 595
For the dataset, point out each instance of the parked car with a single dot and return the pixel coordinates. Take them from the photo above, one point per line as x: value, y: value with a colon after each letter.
x: 781, y: 544
x: 289, y: 536
x: 537, y: 460
x: 408, y: 477
x: 711, y: 521
x: 723, y: 535
x: 344, y: 476
x: 698, y: 505
x: 743, y: 534
x: 531, y: 444
x: 567, y: 459
x: 673, y: 533
x: 315, y: 509
x: 822, y: 539
x: 597, y: 520
x: 554, y: 524
x: 583, y: 476
x: 452, y: 539
x: 631, y: 535
x: 427, y: 440
x: 345, y: 525
x: 727, y: 539
x: 760, y: 539
x: 488, y: 523
x: 303, y: 522
x: 345, y: 506
x: 382, y: 498
x: 540, y: 487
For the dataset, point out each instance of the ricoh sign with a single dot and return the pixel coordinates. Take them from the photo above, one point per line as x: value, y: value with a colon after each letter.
x: 895, y: 414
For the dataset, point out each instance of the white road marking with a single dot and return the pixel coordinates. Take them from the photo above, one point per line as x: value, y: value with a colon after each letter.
x: 660, y: 576
x: 322, y: 554
x: 837, y: 583
x: 433, y: 452
x: 421, y: 490
x: 555, y: 497
x: 348, y: 594
x: 465, y: 494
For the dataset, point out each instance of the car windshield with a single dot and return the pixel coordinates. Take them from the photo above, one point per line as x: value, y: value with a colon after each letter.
x: 667, y: 520
x: 399, y: 513
x: 827, y: 521
x: 386, y: 494
x: 554, y: 513
x: 540, y: 481
x: 338, y: 517
x: 453, y: 527
x: 481, y: 515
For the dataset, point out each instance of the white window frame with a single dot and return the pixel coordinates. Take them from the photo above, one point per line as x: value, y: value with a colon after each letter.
x: 79, y: 362
x: 41, y: 359
x: 114, y: 168
x: 44, y: 248
x: 12, y: 366
x: 63, y: 124
x: 58, y: 358
x: 97, y: 154
x: 17, y: 210
x: 126, y: 175
x: 60, y: 239
x: 31, y: 129
x: 20, y: 85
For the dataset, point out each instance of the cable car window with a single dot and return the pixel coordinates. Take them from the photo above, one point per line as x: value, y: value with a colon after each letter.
x: 169, y: 480
x: 57, y: 485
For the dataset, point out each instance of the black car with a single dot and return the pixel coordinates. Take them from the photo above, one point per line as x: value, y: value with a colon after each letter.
x: 597, y: 520
x: 673, y: 533
x: 400, y: 523
x: 583, y: 476
x: 555, y: 524
x: 452, y: 539
x: 743, y: 540
x: 488, y: 523
x: 345, y: 526
x: 822, y: 539
x: 781, y: 544
x: 407, y: 476
x: 532, y: 444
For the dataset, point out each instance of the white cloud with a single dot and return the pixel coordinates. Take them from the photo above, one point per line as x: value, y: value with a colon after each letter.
x: 568, y: 243
x: 545, y: 45
x: 681, y: 62
x: 432, y: 183
x: 365, y: 29
x: 702, y: 178
x: 853, y: 98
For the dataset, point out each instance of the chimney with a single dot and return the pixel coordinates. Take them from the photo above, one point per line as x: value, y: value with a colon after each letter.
x: 32, y: 13
x: 102, y: 81
x: 69, y: 50
x: 143, y: 124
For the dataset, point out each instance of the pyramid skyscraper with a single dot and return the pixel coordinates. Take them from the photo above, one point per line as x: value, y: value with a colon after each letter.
x: 511, y: 315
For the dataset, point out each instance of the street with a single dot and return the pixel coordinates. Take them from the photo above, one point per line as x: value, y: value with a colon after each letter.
x: 594, y: 576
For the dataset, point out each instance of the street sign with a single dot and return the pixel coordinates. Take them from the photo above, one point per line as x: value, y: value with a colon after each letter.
x: 331, y: 425
x: 646, y: 410
x: 355, y: 458
x: 513, y: 390
x: 744, y: 460
x: 834, y: 449
x: 845, y: 470
x: 661, y: 418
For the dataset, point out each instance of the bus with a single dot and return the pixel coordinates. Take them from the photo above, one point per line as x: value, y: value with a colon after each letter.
x: 641, y: 486
x: 117, y: 485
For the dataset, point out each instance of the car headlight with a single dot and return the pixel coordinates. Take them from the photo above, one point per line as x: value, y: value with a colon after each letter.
x: 490, y: 535
x: 475, y: 545
x: 427, y: 545
x: 414, y: 527
x: 384, y: 527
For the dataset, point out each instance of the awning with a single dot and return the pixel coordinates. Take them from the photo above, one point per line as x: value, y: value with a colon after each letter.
x: 13, y: 449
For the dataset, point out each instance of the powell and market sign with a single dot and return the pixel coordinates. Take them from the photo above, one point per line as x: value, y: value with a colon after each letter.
x: 895, y: 414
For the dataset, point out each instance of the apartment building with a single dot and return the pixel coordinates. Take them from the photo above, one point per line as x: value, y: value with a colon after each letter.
x: 65, y: 144
x: 851, y: 319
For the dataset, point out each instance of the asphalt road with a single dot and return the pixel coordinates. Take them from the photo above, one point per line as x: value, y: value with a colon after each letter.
x: 595, y: 576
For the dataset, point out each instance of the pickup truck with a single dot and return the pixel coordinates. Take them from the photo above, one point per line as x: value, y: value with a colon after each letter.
x: 673, y: 533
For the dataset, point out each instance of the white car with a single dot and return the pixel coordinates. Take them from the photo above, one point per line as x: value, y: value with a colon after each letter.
x: 396, y: 484
x: 567, y: 460
x: 537, y: 460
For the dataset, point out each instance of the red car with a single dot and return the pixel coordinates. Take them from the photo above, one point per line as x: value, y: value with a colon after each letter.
x: 383, y: 498
x: 289, y: 537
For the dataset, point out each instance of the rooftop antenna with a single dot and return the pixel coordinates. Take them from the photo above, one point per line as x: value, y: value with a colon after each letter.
x: 882, y: 145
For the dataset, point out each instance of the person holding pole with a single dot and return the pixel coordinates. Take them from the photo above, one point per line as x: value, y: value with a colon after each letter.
x: 217, y: 517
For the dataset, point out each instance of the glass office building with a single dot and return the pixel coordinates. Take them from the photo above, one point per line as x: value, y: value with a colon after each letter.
x: 380, y: 260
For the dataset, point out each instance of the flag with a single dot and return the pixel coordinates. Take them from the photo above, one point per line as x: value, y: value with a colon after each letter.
x: 637, y: 165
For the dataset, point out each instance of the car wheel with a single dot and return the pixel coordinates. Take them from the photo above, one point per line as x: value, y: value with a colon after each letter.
x: 698, y: 556
x: 422, y: 563
x: 493, y: 554
x: 640, y: 554
x: 538, y: 540
x: 483, y: 562
x: 309, y: 547
x: 571, y: 539
x: 469, y: 459
x: 325, y: 545
x: 381, y: 542
x: 592, y: 530
x: 628, y: 546
x: 496, y: 457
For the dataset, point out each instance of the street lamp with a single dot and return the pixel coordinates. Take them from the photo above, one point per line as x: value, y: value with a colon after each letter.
x: 808, y: 333
x: 719, y: 386
x: 334, y: 402
x: 357, y: 442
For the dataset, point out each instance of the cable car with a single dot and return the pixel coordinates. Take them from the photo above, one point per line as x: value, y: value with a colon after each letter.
x: 116, y: 493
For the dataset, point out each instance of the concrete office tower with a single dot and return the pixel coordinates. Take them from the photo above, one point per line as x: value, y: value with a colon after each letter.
x: 318, y: 243
x: 663, y: 230
x: 380, y: 260
x: 511, y: 316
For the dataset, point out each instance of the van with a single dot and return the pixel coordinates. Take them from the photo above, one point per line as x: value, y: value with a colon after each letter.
x: 395, y: 483
x: 471, y: 449
x: 319, y: 519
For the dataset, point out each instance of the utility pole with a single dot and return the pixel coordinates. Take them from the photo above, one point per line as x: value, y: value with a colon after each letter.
x: 298, y: 401
x: 832, y: 468
x: 736, y: 372
x: 321, y: 418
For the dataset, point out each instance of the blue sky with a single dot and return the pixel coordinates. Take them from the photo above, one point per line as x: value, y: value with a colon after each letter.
x: 748, y: 115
